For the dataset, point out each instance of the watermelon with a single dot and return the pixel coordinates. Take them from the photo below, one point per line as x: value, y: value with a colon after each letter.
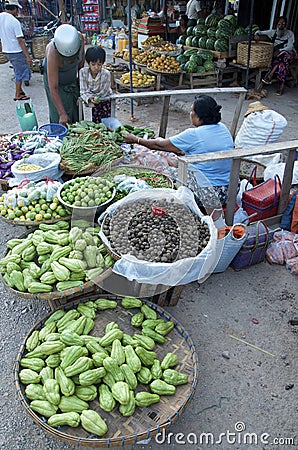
x: 182, y: 67
x: 202, y: 42
x: 189, y: 31
x: 205, y: 54
x: 195, y: 41
x: 190, y: 67
x: 254, y: 29
x: 201, y: 21
x: 196, y: 31
x: 200, y: 69
x: 212, y: 20
x: 209, y: 66
x: 201, y: 30
x: 182, y: 39
x: 182, y: 59
x: 239, y: 31
x: 226, y: 25
x: 222, y: 34
x: 210, y: 43
x: 221, y: 45
x: 189, y: 52
x: 196, y: 59
x: 188, y: 41
x: 211, y: 32
x: 231, y: 19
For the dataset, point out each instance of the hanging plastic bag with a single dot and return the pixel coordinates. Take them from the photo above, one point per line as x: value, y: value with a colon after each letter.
x: 26, y: 116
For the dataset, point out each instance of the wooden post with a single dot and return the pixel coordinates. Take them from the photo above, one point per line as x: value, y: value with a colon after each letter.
x: 232, y: 191
x: 237, y: 114
x: 164, y: 116
x: 287, y: 181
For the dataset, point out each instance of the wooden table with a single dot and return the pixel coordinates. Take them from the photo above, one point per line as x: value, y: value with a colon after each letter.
x: 255, y: 74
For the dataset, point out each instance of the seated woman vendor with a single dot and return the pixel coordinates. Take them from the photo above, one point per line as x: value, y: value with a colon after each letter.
x: 207, y: 135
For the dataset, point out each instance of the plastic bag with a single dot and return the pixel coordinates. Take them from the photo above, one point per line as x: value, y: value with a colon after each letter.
x: 241, y: 216
x: 50, y: 163
x: 169, y: 274
x: 292, y: 265
x: 278, y: 169
x: 261, y: 128
x: 244, y: 186
x: 282, y: 248
x: 132, y: 184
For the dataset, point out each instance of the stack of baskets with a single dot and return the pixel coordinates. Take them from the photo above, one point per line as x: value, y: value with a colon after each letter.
x: 39, y: 44
x: 260, y: 54
x: 3, y: 58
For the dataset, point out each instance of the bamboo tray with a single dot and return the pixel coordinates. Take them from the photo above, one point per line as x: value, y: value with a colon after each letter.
x: 83, y: 288
x: 145, y: 422
x: 89, y: 171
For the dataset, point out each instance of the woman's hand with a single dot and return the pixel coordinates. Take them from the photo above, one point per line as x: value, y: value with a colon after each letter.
x: 130, y: 138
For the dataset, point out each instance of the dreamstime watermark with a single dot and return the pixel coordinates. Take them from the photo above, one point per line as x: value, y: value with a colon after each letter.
x: 238, y: 436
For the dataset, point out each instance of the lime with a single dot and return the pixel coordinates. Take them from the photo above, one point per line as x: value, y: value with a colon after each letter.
x: 18, y: 212
x: 47, y: 216
x: 24, y: 209
x: 53, y: 206
x: 38, y: 217
x: 44, y: 206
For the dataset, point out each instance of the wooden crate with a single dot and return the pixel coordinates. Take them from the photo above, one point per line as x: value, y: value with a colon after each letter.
x: 196, y: 80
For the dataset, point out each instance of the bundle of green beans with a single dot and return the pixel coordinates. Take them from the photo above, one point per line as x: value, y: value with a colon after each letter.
x: 90, y: 149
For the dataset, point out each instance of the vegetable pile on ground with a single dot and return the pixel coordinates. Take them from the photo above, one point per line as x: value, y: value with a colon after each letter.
x: 33, y: 202
x: 157, y: 231
x: 87, y: 191
x: 69, y: 373
x: 55, y: 257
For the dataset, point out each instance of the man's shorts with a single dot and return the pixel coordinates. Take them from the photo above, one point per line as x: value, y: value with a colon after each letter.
x: 20, y: 66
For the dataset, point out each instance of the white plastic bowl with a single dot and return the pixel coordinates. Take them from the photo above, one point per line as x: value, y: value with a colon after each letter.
x: 97, y: 208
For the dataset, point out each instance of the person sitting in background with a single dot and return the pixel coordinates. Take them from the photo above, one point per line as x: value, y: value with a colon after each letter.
x: 14, y: 47
x: 64, y: 57
x: 95, y: 84
x: 283, y: 52
x: 208, y: 135
x: 193, y: 9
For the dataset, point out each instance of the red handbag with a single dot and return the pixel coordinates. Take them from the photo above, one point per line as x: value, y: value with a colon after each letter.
x: 262, y: 200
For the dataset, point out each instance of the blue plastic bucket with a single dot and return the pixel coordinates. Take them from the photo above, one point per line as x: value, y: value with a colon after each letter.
x: 53, y: 130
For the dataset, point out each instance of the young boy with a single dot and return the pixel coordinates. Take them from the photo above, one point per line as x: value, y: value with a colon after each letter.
x: 95, y: 84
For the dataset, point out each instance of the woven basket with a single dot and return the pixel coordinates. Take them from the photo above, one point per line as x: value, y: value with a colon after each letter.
x: 145, y: 422
x: 39, y: 44
x: 260, y: 54
x: 3, y: 58
x: 32, y: 223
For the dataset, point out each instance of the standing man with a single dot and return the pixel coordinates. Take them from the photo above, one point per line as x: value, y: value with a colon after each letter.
x: 14, y: 47
x: 193, y: 8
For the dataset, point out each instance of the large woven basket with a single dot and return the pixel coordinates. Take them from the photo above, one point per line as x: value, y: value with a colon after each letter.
x: 146, y: 422
x: 260, y: 54
x: 38, y: 46
x: 3, y: 58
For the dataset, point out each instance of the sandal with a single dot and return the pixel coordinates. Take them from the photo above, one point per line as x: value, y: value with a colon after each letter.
x: 22, y: 97
x: 267, y: 79
x: 279, y: 92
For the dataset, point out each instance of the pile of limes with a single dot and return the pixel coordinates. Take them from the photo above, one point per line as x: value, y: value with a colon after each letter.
x: 86, y: 192
x: 35, y: 211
